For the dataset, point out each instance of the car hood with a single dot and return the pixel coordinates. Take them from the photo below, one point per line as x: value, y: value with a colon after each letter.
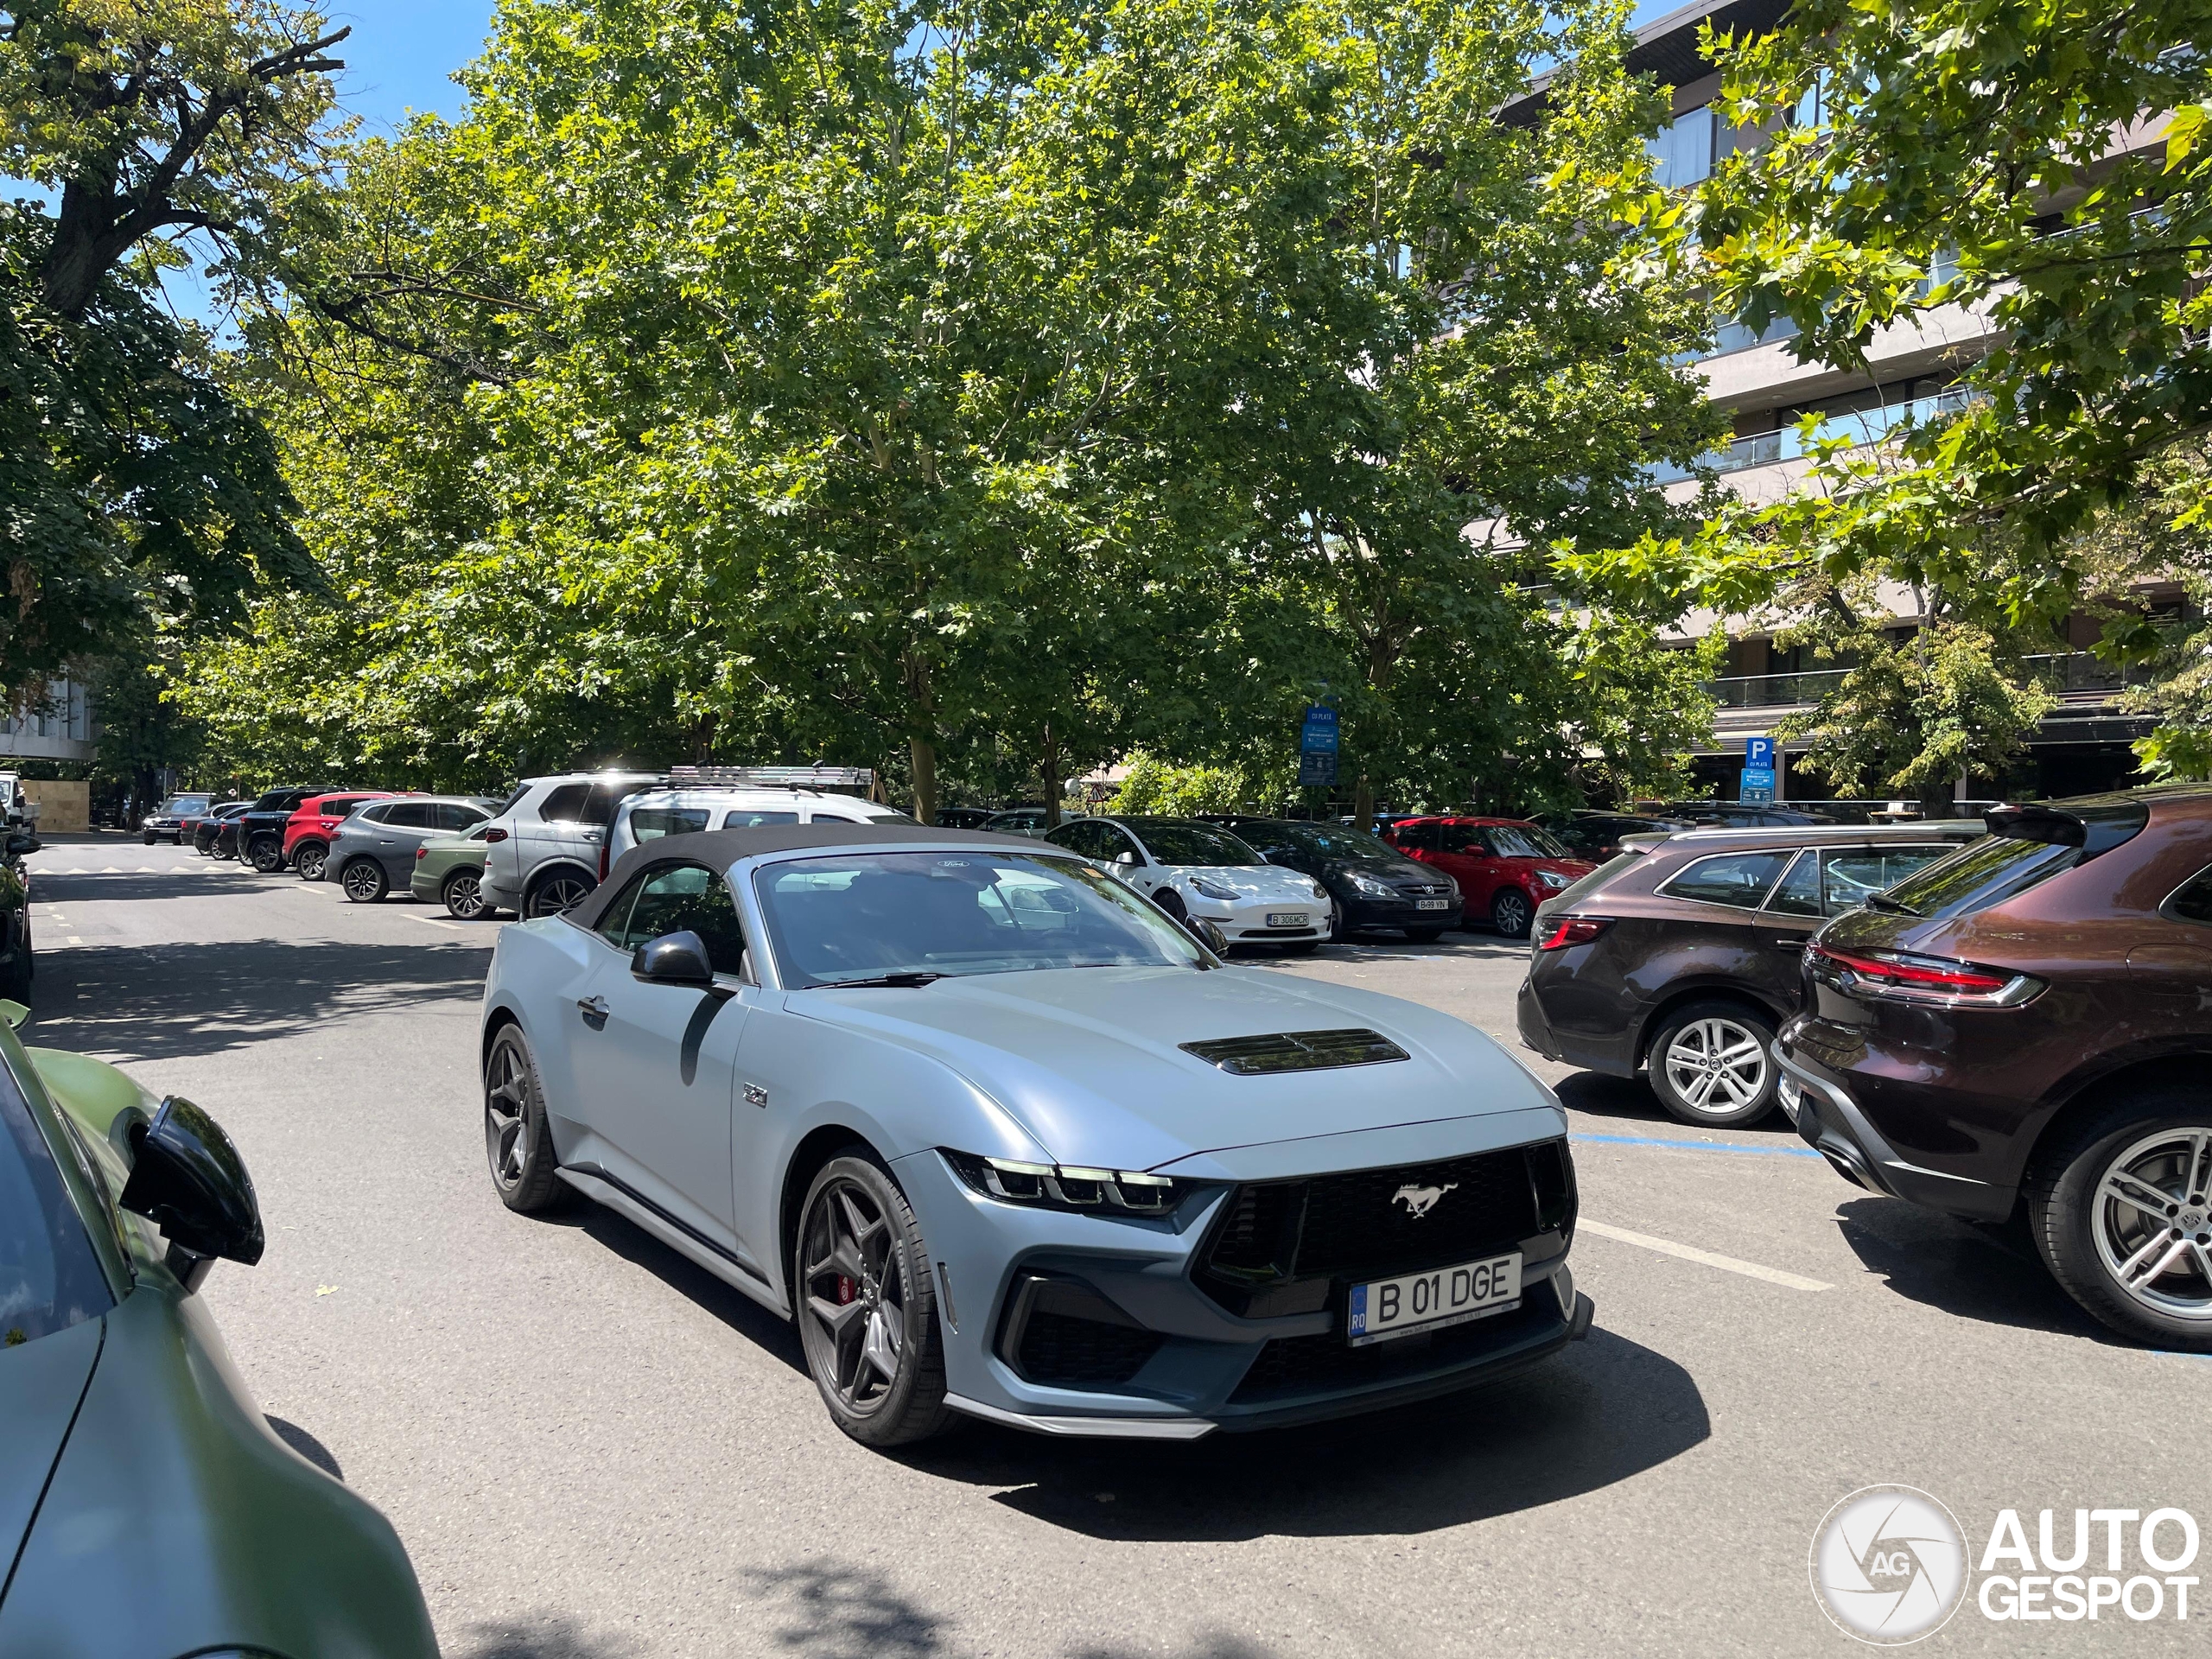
x: 1088, y: 1059
x: 1251, y: 881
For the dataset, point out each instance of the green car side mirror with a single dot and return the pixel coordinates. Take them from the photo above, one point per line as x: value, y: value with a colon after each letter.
x: 188, y: 1179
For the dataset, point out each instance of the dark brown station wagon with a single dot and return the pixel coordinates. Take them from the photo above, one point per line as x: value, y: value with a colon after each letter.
x: 1683, y: 956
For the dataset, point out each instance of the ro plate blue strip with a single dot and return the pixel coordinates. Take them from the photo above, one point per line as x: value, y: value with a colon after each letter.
x: 1695, y: 1145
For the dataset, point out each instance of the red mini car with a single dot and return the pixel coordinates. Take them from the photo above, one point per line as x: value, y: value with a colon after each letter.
x: 1505, y: 866
x: 307, y: 832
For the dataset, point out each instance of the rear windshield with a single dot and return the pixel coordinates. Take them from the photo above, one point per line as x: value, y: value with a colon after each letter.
x: 1597, y: 879
x: 1981, y: 874
x: 49, y: 1278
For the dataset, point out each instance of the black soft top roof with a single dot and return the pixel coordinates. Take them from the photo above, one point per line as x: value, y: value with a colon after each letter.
x: 720, y: 848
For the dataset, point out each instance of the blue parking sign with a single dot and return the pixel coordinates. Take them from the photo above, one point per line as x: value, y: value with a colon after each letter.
x: 1759, y: 752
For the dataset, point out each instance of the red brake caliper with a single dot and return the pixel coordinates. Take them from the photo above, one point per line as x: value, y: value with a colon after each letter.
x: 846, y: 1289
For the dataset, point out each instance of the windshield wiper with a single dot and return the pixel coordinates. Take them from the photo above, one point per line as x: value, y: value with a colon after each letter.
x: 1895, y: 906
x: 905, y: 981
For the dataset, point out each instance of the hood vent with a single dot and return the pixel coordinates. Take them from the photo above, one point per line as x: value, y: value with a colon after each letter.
x: 1297, y: 1050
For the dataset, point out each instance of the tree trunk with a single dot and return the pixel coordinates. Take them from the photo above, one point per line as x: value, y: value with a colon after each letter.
x: 1052, y: 778
x: 923, y: 755
x: 1362, y: 804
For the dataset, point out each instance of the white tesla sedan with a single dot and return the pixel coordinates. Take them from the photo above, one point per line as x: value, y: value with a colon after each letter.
x: 1200, y: 871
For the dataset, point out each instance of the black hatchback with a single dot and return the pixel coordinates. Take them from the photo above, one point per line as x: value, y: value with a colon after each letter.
x: 1681, y: 958
x: 1374, y: 885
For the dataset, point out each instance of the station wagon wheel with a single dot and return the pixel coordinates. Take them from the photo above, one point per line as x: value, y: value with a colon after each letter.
x: 464, y: 895
x: 363, y: 881
x: 311, y: 859
x: 518, y: 1143
x: 1713, y: 1064
x: 562, y: 890
x: 867, y: 1307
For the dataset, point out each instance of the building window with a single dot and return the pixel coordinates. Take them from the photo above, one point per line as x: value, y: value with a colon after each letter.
x: 1681, y: 151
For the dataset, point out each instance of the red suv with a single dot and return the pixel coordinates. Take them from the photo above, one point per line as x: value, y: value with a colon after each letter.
x: 1505, y: 866
x: 308, y: 831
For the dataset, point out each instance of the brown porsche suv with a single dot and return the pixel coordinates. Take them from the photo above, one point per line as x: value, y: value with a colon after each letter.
x: 2031, y: 1019
x: 1680, y: 958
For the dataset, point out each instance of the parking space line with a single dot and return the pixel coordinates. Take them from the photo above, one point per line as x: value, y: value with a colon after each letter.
x: 1675, y: 1144
x: 1708, y: 1258
x: 436, y: 921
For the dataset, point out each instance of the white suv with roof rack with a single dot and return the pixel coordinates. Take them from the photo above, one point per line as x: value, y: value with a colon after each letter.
x: 549, y: 846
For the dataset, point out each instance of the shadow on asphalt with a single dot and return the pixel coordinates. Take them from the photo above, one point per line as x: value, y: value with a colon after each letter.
x: 1631, y: 1100
x: 173, y: 1002
x: 1970, y: 1269
x: 743, y: 1316
x: 552, y: 1636
x: 306, y: 1444
x: 1601, y: 1413
x: 852, y: 1613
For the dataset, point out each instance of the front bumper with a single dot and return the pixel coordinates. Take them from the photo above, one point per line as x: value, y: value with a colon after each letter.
x: 1818, y: 1100
x: 1193, y: 1366
x: 1245, y: 921
x: 1363, y: 910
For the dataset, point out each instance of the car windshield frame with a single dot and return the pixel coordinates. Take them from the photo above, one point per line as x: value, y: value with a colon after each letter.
x: 1119, y: 915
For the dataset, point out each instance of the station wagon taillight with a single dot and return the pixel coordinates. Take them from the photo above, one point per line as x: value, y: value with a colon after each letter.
x: 1574, y: 930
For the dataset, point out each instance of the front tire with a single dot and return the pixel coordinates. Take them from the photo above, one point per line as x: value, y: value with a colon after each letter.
x: 463, y: 894
x: 867, y: 1307
x: 2120, y: 1210
x: 517, y: 1142
x: 1713, y: 1064
x: 310, y: 860
x: 1510, y: 914
x: 364, y: 882
x: 150, y: 838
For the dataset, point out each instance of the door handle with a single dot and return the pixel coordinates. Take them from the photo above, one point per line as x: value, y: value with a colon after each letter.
x: 594, y: 1011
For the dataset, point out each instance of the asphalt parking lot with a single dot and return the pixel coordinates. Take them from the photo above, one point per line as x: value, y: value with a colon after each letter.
x: 592, y: 1448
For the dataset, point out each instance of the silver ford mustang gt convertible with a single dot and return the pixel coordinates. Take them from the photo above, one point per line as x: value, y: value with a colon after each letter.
x: 1006, y: 1141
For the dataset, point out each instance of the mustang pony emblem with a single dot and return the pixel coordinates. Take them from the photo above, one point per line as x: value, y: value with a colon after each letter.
x: 1420, y: 1200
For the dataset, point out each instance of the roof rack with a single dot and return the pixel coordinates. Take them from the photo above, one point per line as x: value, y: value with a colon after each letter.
x: 777, y: 776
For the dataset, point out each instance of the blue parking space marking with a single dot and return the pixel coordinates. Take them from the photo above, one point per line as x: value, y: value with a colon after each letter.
x: 1674, y: 1145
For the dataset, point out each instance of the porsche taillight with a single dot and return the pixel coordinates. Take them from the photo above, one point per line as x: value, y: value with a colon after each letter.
x: 1905, y: 977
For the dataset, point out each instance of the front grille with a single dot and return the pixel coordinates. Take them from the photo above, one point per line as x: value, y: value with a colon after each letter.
x: 1361, y: 1224
x: 1297, y: 1050
x: 1289, y: 1367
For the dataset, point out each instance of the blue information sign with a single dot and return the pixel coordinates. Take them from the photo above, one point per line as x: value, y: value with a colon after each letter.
x: 1316, y: 770
x: 1759, y: 754
x: 1318, y: 735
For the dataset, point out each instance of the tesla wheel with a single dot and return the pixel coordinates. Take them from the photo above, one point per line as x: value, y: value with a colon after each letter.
x: 867, y: 1307
x: 1713, y: 1064
x: 364, y: 882
x: 1510, y: 912
x: 551, y: 894
x: 517, y: 1142
x: 464, y: 895
x: 266, y: 855
x: 309, y: 861
x: 2122, y: 1212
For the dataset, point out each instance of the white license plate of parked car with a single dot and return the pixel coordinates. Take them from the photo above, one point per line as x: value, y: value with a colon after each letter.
x: 1383, y: 1308
x: 1286, y: 918
x: 1431, y: 904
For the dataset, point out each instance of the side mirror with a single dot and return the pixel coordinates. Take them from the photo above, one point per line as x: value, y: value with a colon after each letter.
x: 188, y: 1179
x: 674, y: 959
x: 19, y: 843
x: 1128, y: 860
x: 1208, y: 934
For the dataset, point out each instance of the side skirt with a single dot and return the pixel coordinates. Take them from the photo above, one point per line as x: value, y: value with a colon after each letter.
x: 602, y: 1188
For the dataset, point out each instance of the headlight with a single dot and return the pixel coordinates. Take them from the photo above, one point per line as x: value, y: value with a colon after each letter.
x: 1373, y: 886
x: 1064, y: 1187
x: 1554, y: 880
x: 1213, y: 890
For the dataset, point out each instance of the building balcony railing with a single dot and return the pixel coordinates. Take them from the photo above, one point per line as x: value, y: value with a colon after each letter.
x: 2074, y: 676
x: 1859, y: 427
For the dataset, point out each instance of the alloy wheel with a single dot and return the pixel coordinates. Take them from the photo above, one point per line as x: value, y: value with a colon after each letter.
x: 2152, y: 1225
x: 464, y: 895
x: 310, y: 862
x: 558, y: 892
x: 853, y: 1280
x: 1511, y: 914
x: 363, y: 881
x: 506, y: 1113
x: 1716, y: 1065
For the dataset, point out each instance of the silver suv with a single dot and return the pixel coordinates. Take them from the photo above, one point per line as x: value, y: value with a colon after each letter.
x: 543, y: 845
x: 373, y: 849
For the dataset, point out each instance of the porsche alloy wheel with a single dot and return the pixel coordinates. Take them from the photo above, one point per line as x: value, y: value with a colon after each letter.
x: 866, y: 1307
x: 516, y: 1142
x: 561, y: 890
x: 464, y: 895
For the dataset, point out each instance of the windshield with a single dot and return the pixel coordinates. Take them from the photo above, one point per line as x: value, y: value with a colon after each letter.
x: 860, y: 915
x: 1524, y: 841
x: 1346, y: 845
x: 1172, y: 841
x: 49, y: 1278
x: 178, y: 806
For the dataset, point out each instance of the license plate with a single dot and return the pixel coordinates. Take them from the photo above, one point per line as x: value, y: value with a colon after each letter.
x: 1383, y: 1308
x: 1286, y: 918
x: 1431, y: 904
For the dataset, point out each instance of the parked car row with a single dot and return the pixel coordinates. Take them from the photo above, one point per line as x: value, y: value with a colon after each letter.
x: 2003, y: 1020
